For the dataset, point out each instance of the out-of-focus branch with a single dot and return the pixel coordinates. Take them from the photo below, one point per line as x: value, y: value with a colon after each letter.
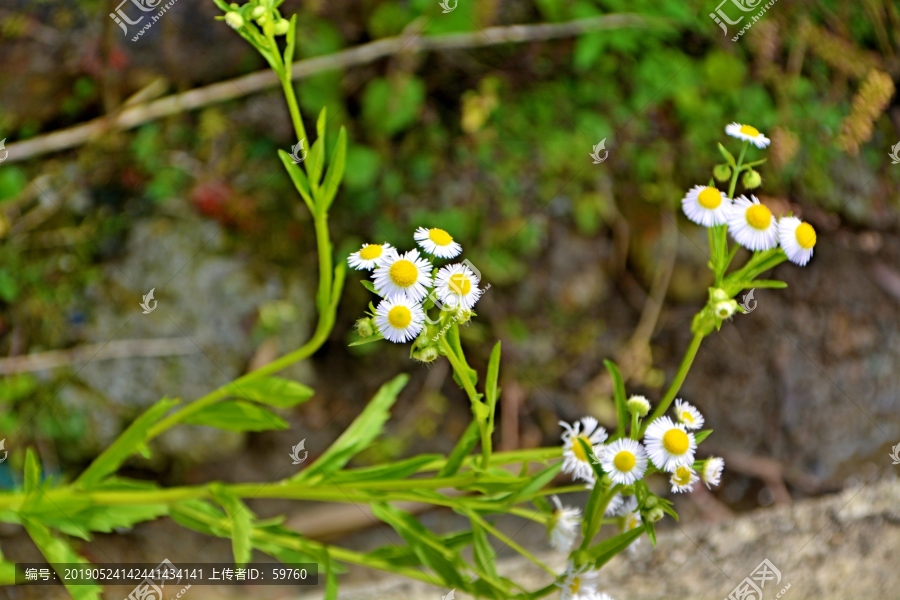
x: 40, y: 361
x: 238, y: 87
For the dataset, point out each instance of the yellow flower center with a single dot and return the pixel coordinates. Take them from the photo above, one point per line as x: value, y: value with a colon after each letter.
x: 440, y: 237
x: 751, y: 131
x: 676, y: 442
x: 682, y: 476
x: 575, y: 585
x: 624, y: 461
x: 710, y: 198
x: 806, y: 236
x: 460, y: 284
x: 404, y: 273
x: 371, y: 251
x: 759, y: 216
x: 687, y: 417
x: 399, y: 317
x: 578, y: 450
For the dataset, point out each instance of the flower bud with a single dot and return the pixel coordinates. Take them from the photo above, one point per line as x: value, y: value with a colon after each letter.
x: 655, y: 515
x: 234, y: 20
x: 282, y: 26
x: 722, y: 172
x: 651, y: 502
x: 234, y: 6
x: 725, y: 309
x: 638, y: 405
x: 258, y: 12
x: 751, y: 179
x: 463, y: 316
x: 365, y: 328
x: 718, y: 295
x: 426, y: 355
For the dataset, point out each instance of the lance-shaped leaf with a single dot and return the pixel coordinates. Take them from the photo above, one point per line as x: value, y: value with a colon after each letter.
x: 237, y: 415
x: 463, y: 448
x: 59, y: 552
x: 127, y: 444
x: 274, y: 391
x: 619, y: 393
x: 301, y: 183
x: 362, y: 432
x: 240, y: 520
x: 335, y: 170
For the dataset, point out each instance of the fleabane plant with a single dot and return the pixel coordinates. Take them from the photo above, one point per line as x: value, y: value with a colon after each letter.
x: 424, y: 295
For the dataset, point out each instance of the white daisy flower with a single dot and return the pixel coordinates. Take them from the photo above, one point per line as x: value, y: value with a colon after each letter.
x: 368, y: 256
x: 633, y: 520
x: 625, y: 460
x: 403, y: 275
x: 688, y: 415
x: 712, y: 471
x: 576, y: 461
x: 706, y: 206
x: 752, y: 225
x: 399, y: 319
x: 579, y: 584
x: 683, y: 480
x: 619, y: 506
x: 669, y: 445
x: 457, y: 286
x: 797, y: 239
x: 437, y: 242
x: 564, y: 526
x: 748, y: 134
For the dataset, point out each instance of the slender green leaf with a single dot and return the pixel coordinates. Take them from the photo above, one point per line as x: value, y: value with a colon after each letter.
x: 619, y: 393
x: 57, y: 552
x: 275, y: 391
x: 482, y: 551
x: 766, y: 283
x: 463, y: 448
x: 603, y: 552
x: 237, y: 415
x: 368, y: 285
x: 315, y: 163
x: 443, y: 561
x: 331, y: 583
x: 396, y: 470
x: 291, y: 39
x: 728, y: 156
x: 127, y: 444
x: 372, y: 338
x: 536, y: 483
x: 336, y: 167
x: 32, y: 472
x: 299, y: 178
x: 241, y: 521
x: 702, y: 435
x: 491, y: 391
x: 320, y: 125
x: 362, y: 432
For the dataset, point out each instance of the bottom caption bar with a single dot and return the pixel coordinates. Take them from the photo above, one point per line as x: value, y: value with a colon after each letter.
x: 166, y: 573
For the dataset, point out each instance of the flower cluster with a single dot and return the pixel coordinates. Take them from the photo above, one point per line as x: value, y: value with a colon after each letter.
x: 409, y: 285
x: 750, y: 222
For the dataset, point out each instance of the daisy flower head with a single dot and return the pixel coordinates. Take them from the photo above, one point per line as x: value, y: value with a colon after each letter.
x: 669, y: 445
x: 688, y: 415
x: 797, y: 239
x: 576, y: 460
x: 578, y: 584
x: 564, y: 526
x: 437, y: 242
x: 457, y: 286
x: 367, y: 257
x: 403, y: 275
x: 633, y: 519
x: 707, y: 206
x: 747, y: 133
x: 752, y: 225
x: 625, y: 460
x: 712, y: 471
x: 399, y: 319
x: 683, y: 480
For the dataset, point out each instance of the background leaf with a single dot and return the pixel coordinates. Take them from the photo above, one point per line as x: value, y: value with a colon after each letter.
x: 237, y: 415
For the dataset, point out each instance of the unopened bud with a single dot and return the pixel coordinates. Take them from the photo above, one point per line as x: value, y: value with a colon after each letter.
x: 655, y: 515
x: 426, y: 355
x: 718, y: 295
x: 638, y: 405
x: 234, y: 20
x: 258, y: 12
x: 751, y: 179
x: 722, y: 172
x: 282, y: 26
x: 365, y: 328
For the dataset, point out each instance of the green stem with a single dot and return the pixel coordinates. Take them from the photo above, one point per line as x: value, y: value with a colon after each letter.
x: 509, y: 542
x: 737, y: 171
x: 462, y: 373
x: 635, y: 430
x: 676, y: 383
